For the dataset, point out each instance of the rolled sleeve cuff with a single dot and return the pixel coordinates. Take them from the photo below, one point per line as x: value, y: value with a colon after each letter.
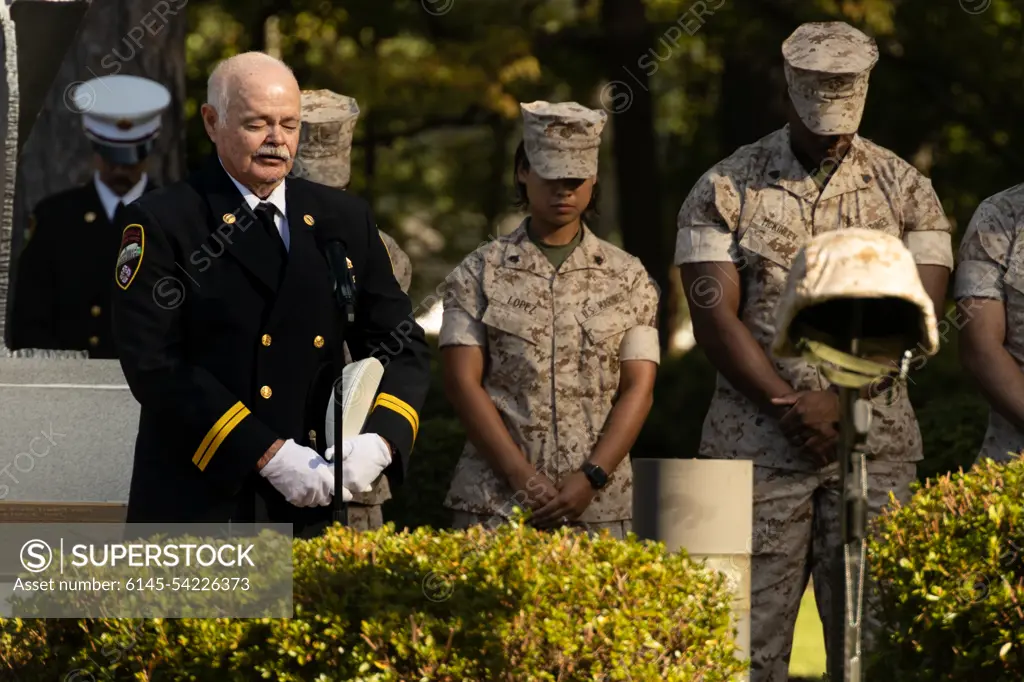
x: 932, y: 247
x: 978, y: 279
x: 695, y: 244
x: 640, y: 343
x: 459, y: 328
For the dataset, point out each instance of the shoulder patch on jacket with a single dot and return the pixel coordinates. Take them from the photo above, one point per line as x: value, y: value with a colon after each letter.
x: 129, y: 256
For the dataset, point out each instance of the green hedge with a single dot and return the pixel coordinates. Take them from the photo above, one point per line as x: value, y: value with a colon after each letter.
x: 511, y: 604
x: 950, y: 567
x: 950, y: 411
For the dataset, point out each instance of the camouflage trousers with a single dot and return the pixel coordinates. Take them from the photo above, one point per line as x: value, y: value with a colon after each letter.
x: 364, y: 517
x: 617, y: 529
x: 797, y: 536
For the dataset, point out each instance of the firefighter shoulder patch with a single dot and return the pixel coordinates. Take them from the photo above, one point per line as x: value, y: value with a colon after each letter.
x: 129, y: 256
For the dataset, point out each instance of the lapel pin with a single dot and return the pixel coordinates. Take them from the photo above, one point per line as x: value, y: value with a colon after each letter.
x: 308, y: 219
x: 89, y: 216
x: 228, y: 218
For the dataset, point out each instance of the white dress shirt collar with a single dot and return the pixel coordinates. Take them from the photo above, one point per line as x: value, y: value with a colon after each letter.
x: 109, y: 198
x: 276, y: 199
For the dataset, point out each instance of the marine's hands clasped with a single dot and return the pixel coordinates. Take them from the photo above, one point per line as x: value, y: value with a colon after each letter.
x: 553, y: 505
x: 307, y: 480
x: 810, y: 422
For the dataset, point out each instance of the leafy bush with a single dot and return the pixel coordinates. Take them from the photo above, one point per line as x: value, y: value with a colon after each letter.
x: 950, y: 569
x: 508, y: 604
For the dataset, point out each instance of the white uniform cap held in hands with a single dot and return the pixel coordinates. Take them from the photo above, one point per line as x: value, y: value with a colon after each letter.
x: 847, y: 265
x: 359, y: 383
x: 562, y: 140
x: 121, y: 115
x: 827, y: 67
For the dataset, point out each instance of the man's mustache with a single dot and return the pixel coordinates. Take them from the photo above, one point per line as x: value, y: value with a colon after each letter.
x: 276, y: 152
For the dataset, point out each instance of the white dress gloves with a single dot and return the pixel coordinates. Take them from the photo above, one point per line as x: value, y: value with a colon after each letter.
x: 363, y: 459
x: 301, y: 475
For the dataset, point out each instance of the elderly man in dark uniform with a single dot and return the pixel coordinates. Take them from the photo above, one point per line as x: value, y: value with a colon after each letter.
x: 228, y: 330
x: 62, y: 291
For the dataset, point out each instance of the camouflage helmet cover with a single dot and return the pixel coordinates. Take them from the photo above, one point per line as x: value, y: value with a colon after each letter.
x: 852, y: 263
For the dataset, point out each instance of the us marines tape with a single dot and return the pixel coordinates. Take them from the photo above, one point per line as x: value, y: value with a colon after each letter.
x: 129, y: 256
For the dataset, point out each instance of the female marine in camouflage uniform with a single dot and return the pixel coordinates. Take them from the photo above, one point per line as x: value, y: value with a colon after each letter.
x: 550, y: 347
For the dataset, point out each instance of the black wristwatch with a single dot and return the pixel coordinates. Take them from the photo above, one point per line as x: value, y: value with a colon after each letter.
x: 596, y: 475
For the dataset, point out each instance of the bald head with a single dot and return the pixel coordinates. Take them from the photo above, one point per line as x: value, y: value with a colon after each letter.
x: 252, y: 114
x: 241, y: 71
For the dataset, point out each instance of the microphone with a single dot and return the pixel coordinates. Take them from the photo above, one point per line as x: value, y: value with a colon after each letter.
x: 344, y: 283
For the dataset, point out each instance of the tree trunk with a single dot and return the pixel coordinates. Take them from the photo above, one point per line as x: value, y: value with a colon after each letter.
x: 628, y: 100
x: 116, y: 37
x: 753, y: 99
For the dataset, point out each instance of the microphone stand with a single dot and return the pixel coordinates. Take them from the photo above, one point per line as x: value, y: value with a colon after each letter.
x: 344, y: 291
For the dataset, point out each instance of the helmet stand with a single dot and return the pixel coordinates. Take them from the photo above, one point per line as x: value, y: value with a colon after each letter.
x: 852, y: 374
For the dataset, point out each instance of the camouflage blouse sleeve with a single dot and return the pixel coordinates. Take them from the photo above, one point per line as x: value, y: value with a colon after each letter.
x: 400, y: 263
x: 985, y: 253
x: 926, y: 231
x: 641, y: 342
x: 464, y: 305
x: 707, y: 220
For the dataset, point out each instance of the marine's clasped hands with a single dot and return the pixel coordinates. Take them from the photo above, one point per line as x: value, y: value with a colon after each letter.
x: 307, y: 480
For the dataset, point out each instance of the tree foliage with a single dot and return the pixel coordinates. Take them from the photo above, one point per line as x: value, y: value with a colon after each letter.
x: 439, y: 82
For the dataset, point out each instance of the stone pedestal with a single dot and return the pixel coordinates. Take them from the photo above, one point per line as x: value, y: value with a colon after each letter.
x: 706, y: 508
x: 67, y: 439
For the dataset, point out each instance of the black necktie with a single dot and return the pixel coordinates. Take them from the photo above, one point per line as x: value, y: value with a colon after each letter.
x: 265, y: 213
x: 118, y: 212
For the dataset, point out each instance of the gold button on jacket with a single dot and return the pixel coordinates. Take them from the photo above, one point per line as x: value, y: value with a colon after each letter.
x: 266, y: 339
x: 266, y: 392
x: 318, y: 341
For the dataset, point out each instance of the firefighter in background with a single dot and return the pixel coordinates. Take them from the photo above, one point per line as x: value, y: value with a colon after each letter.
x: 62, y: 290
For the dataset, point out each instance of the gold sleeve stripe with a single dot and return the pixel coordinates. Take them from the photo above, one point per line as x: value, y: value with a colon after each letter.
x: 202, y: 451
x: 401, y: 407
x: 387, y: 251
x: 225, y: 432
